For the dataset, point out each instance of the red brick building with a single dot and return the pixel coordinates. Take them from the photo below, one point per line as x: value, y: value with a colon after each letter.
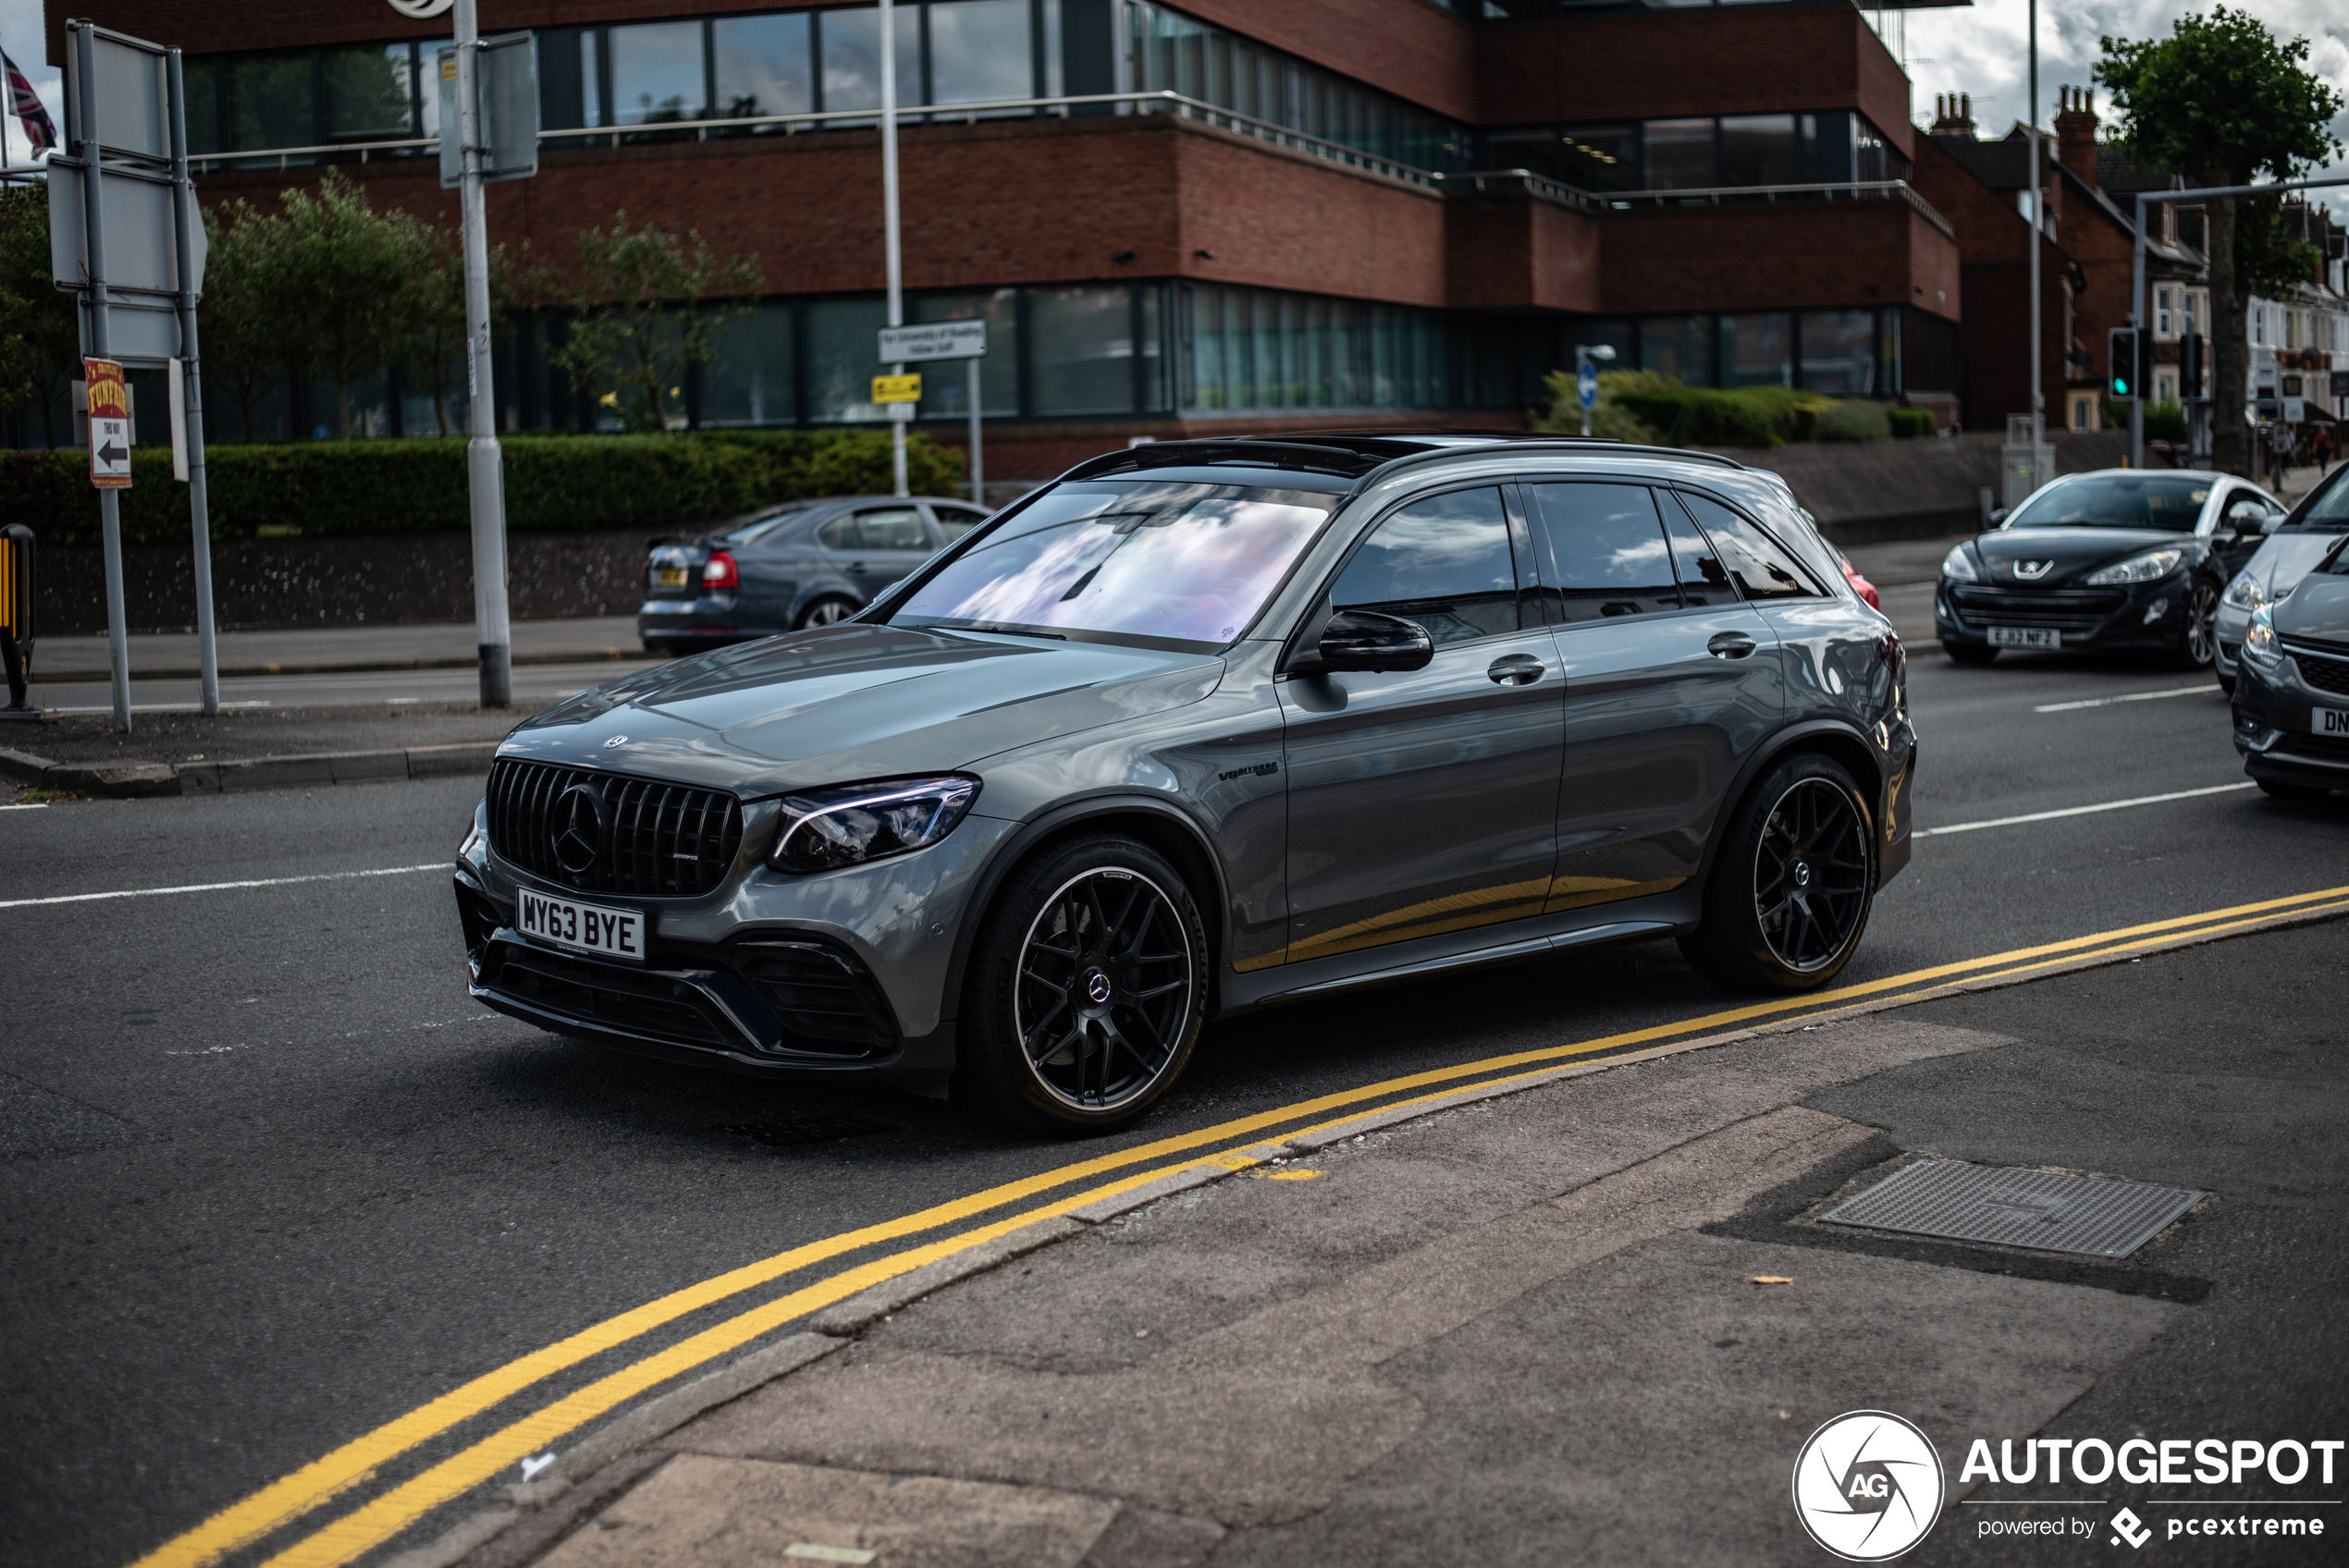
x: 1222, y: 216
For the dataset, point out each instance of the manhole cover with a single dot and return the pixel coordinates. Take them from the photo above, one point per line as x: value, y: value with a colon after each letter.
x: 1958, y: 1202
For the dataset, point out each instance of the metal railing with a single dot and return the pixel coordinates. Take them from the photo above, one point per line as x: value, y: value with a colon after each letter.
x: 1850, y: 191
x: 928, y: 114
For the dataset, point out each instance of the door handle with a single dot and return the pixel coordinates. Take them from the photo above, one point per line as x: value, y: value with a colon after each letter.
x: 1515, y: 670
x: 1729, y: 645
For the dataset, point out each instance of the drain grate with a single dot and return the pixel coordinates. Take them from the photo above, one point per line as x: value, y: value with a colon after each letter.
x: 1949, y: 1198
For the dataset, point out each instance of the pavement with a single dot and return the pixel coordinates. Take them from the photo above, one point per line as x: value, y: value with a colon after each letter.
x: 160, y: 655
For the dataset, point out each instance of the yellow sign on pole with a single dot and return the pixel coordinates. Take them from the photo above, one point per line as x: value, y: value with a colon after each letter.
x: 109, y: 425
x: 898, y: 388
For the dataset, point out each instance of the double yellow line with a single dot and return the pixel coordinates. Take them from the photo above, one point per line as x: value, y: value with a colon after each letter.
x: 347, y: 1467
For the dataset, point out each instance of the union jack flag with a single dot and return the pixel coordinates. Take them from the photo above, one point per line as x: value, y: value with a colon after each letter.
x: 25, y: 103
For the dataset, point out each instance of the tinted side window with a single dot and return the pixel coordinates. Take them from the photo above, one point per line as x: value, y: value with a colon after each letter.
x: 892, y: 528
x: 1444, y: 562
x: 1608, y: 546
x: 1759, y: 564
x: 1703, y: 580
x: 957, y: 521
x: 840, y: 533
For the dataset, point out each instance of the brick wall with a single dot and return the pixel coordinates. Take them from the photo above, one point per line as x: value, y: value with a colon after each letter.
x: 1791, y: 256
x: 1511, y: 252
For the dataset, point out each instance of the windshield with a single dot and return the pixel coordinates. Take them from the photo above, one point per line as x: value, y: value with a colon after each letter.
x: 1166, y: 564
x: 2172, y: 504
x: 2329, y: 514
x: 750, y: 533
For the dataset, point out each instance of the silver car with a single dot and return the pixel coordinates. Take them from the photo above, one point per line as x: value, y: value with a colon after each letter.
x: 1201, y: 728
x: 2296, y: 545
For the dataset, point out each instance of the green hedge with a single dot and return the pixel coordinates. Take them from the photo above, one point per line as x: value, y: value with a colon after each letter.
x: 418, y: 486
x: 1909, y: 422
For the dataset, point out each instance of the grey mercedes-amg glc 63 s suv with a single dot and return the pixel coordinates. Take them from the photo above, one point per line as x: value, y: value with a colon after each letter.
x: 1205, y: 726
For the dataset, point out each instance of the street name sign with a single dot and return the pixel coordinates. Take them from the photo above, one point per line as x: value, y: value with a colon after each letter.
x: 933, y: 340
x: 109, y: 425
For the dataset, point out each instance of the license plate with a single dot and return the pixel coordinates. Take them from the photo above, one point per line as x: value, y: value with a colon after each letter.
x: 2025, y: 637
x: 669, y: 577
x: 2330, y: 721
x: 587, y: 929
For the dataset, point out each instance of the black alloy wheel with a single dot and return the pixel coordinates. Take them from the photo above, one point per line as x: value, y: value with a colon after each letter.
x: 1793, y: 882
x: 825, y: 612
x: 2198, y: 644
x: 1087, y: 988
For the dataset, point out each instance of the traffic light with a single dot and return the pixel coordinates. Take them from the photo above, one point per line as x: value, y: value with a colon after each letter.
x: 2190, y: 363
x: 2121, y: 363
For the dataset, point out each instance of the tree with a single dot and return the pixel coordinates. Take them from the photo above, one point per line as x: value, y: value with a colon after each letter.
x: 40, y: 338
x: 2222, y: 102
x: 649, y: 304
x: 244, y: 326
x: 436, y: 311
x: 348, y: 292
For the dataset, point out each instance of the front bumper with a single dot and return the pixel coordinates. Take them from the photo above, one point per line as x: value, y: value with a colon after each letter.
x: 2134, y: 618
x: 2276, y: 728
x: 845, y: 973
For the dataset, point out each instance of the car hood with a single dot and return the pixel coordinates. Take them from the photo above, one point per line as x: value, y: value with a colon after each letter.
x: 839, y: 704
x: 2073, y: 552
x: 2285, y: 559
x: 2318, y: 609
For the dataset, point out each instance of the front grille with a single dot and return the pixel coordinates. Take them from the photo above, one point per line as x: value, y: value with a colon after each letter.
x: 2072, y: 609
x: 637, y: 1001
x: 655, y: 839
x: 2320, y: 668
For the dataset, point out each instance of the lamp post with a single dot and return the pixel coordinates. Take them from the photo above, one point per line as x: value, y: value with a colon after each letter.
x: 1587, y: 388
x: 892, y: 244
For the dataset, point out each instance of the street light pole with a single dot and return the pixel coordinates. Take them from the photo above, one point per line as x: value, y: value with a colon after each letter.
x: 2038, y: 225
x: 894, y: 258
x: 493, y: 633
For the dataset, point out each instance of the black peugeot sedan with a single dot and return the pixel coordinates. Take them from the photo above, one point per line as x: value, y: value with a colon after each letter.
x: 2292, y: 689
x: 2118, y: 560
x: 808, y: 564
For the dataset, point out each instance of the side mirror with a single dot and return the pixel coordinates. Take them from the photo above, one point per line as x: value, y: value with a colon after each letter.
x: 1998, y: 517
x: 1365, y: 640
x: 2247, y: 518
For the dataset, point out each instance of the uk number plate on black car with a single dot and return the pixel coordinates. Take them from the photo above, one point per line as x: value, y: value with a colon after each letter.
x: 608, y: 933
x: 2330, y: 721
x: 2025, y: 637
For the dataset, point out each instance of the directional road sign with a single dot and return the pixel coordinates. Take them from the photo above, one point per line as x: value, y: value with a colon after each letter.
x: 109, y: 425
x: 898, y: 388
x: 933, y: 340
x: 1586, y: 383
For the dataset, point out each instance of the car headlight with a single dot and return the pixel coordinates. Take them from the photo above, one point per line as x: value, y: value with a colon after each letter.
x: 2136, y: 568
x: 1957, y: 567
x: 2246, y: 592
x: 2259, y: 645
x: 827, y: 828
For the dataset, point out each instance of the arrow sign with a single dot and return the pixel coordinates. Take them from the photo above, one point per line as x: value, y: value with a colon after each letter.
x: 1586, y: 383
x: 113, y: 455
x: 109, y: 425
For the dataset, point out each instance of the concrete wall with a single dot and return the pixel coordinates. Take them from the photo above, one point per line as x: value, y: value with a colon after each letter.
x: 1918, y: 489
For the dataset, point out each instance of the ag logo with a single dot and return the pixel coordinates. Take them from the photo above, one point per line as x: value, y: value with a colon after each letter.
x: 1867, y: 1486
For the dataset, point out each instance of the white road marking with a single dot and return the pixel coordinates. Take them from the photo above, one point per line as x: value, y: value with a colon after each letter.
x: 226, y: 886
x: 2081, y: 811
x: 36, y: 805
x: 2206, y: 690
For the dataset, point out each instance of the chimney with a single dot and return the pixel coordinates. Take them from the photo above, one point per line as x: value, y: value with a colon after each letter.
x: 2075, y: 125
x: 1952, y: 115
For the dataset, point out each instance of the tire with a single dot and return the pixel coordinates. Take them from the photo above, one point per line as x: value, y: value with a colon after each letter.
x: 1792, y: 884
x: 1967, y: 653
x: 2198, y: 639
x: 2226, y: 681
x: 1087, y: 991
x: 2291, y: 791
x: 660, y: 649
x: 825, y: 612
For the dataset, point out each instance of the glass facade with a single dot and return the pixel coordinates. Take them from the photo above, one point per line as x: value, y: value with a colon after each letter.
x: 1702, y: 152
x: 1241, y: 348
x: 763, y: 65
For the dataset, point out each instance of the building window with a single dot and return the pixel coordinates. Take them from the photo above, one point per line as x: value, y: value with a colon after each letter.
x: 852, y: 56
x: 1839, y: 352
x: 2165, y: 388
x: 656, y: 73
x: 763, y: 65
x: 2163, y: 325
x: 980, y: 49
x: 1080, y: 348
x: 946, y: 383
x: 2195, y: 308
x: 269, y: 102
x: 1757, y: 350
x: 370, y: 93
x: 1600, y: 157
x: 751, y: 380
x: 842, y: 336
x: 1680, y: 347
x: 1680, y: 155
x: 1759, y: 150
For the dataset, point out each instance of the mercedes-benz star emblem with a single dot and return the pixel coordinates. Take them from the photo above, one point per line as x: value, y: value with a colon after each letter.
x: 2031, y: 572
x: 615, y: 741
x: 579, y: 828
x: 1097, y: 987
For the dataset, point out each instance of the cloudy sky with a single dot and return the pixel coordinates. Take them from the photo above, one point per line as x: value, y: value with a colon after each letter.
x: 1982, y: 49
x: 1977, y: 49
